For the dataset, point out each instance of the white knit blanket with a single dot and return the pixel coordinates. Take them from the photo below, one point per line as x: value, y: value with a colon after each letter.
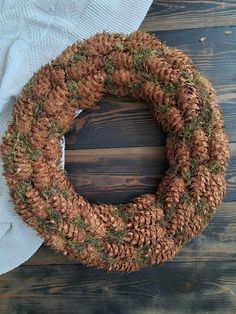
x: 32, y: 32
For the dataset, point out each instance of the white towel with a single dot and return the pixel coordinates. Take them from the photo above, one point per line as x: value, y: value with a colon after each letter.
x: 32, y: 32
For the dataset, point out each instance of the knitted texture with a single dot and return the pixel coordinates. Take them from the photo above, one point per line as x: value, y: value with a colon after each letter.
x: 151, y: 228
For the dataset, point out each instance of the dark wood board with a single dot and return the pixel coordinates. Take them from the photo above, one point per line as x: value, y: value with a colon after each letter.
x: 197, y: 287
x: 115, y: 152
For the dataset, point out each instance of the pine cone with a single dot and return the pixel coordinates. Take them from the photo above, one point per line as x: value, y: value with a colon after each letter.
x: 37, y: 205
x: 120, y: 250
x: 39, y: 133
x: 89, y: 256
x: 164, y: 185
x: 140, y: 40
x: 199, y: 183
x: 100, y: 44
x: 65, y: 56
x: 52, y: 150
x: 188, y: 102
x: 171, y: 120
x: 174, y: 192
x: 41, y: 87
x: 12, y: 181
x: 90, y: 89
x: 59, y: 181
x: 57, y: 243
x: 64, y: 118
x: 23, y: 116
x: 41, y: 173
x: 161, y: 70
x: 122, y: 60
x: 181, y: 218
x: 219, y: 148
x: 55, y: 101
x: 57, y: 78
x: 162, y: 251
x: 125, y: 266
x: 200, y: 145
x: 105, y: 212
x: 146, y: 218
x: 179, y: 60
x: 22, y: 165
x: 123, y: 77
x: 216, y: 190
x: 71, y: 232
x: 155, y: 94
x: 145, y: 236
x: 194, y: 227
x: 182, y: 155
x: 83, y: 68
x: 141, y: 203
x: 6, y: 145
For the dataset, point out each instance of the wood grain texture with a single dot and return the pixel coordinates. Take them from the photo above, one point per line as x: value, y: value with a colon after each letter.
x: 182, y: 14
x: 198, y: 287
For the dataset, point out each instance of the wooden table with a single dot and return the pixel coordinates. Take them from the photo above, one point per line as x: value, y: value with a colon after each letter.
x: 116, y: 152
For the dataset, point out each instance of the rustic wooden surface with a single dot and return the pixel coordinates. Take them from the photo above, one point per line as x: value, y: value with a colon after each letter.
x: 116, y: 152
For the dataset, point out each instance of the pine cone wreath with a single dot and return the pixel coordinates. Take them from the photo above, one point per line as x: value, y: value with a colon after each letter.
x: 151, y: 228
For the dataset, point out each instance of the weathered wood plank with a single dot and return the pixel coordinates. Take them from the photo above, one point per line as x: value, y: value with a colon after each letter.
x: 117, y: 175
x: 178, y: 14
x: 172, y: 288
x: 217, y: 243
x: 124, y: 122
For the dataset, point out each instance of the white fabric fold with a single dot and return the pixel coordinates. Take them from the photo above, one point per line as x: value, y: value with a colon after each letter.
x: 32, y: 32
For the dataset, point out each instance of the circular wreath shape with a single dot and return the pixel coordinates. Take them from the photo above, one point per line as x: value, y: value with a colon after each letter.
x: 152, y: 227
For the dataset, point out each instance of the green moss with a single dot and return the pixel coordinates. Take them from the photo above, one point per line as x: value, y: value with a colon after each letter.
x: 78, y: 56
x: 113, y: 235
x: 208, y: 216
x: 109, y: 68
x: 213, y: 166
x: 78, y: 221
x: 206, y: 119
x: 170, y: 88
x: 33, y: 154
x: 65, y: 193
x: 141, y: 55
x: 104, y: 257
x: 141, y: 258
x: 20, y: 191
x: 185, y: 198
x: 200, y: 207
x: 93, y: 241
x: 73, y: 87
x: 48, y: 192
x: 121, y: 213
x: 194, y: 163
x: 192, y: 79
x: 188, y: 131
x: 38, y: 108
x: 119, y: 47
x: 134, y: 86
x: 169, y: 213
x: 28, y: 88
x: 53, y: 129
x: 53, y: 214
x: 162, y: 108
x: 46, y: 226
x: 187, y: 176
x: 75, y: 246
